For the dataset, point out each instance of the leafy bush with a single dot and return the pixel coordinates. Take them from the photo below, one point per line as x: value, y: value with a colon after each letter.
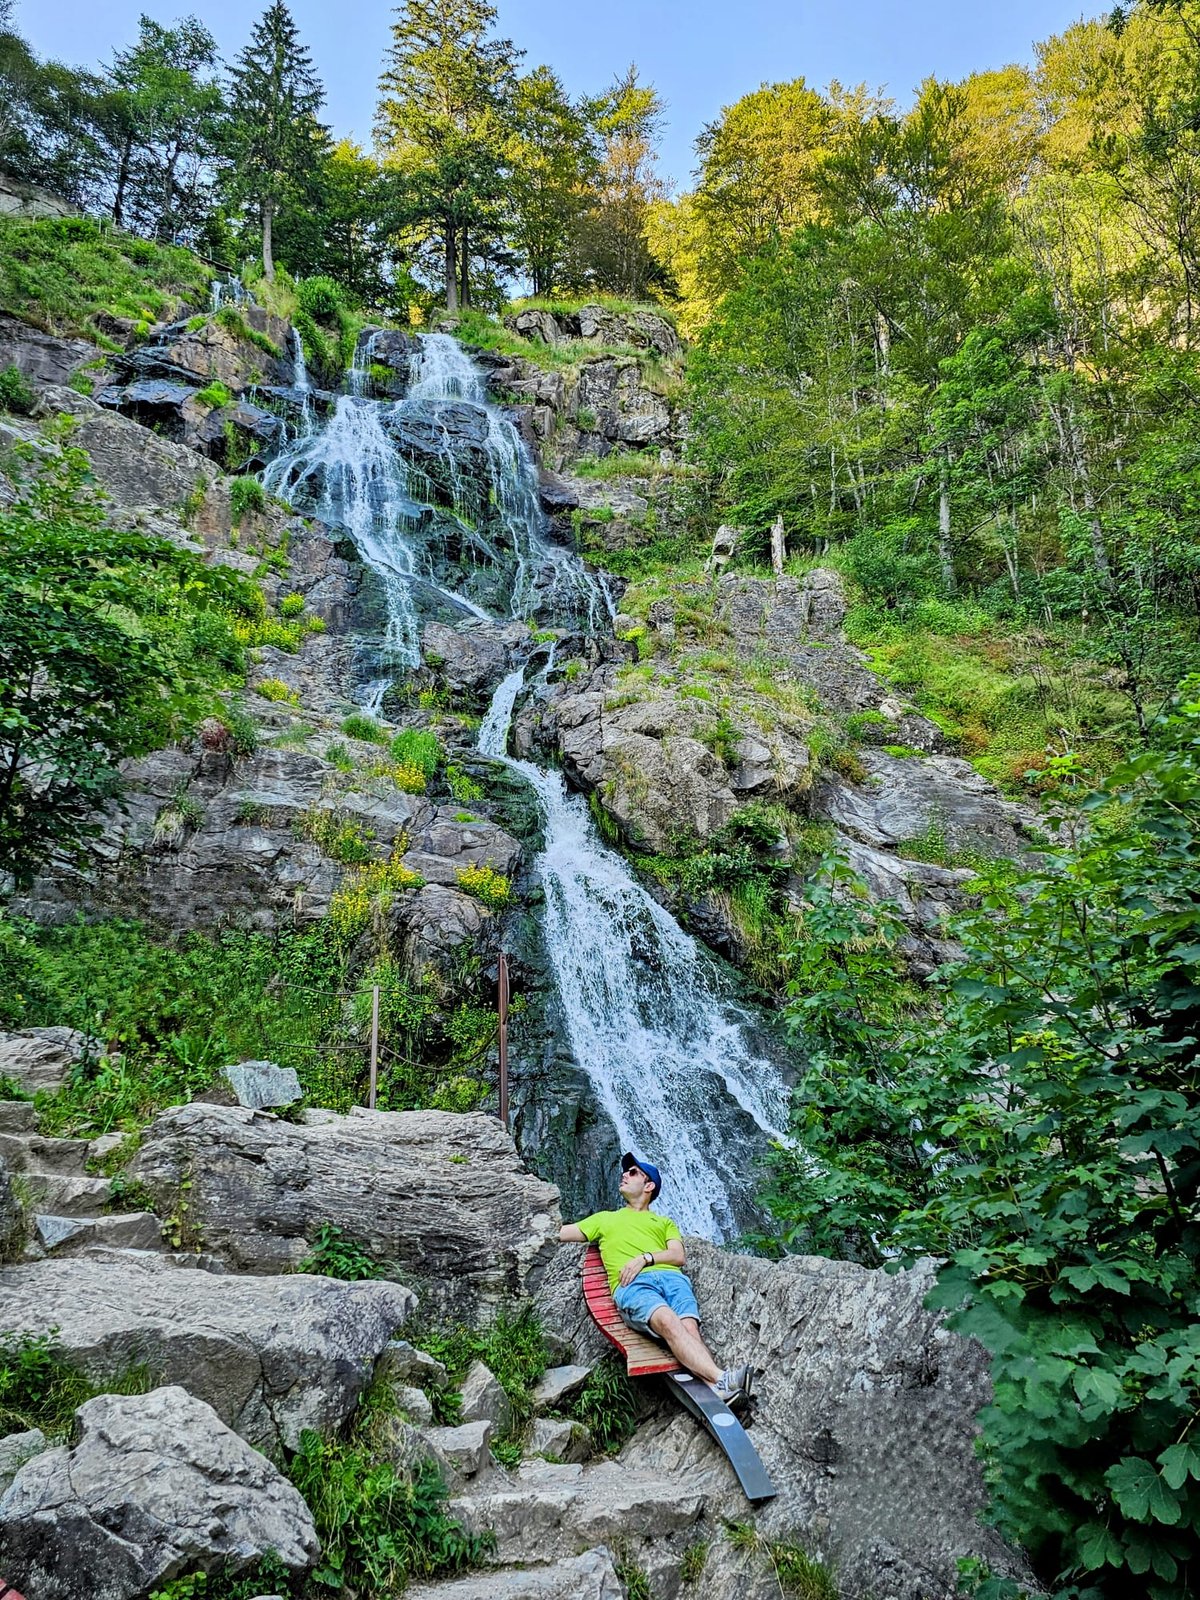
x: 276, y: 689
x: 320, y: 297
x: 335, y: 1255
x: 358, y: 726
x: 486, y: 885
x: 378, y: 1528
x: 417, y: 747
x: 1036, y: 1126
x: 214, y: 395
x: 511, y: 1346
x: 367, y: 895
x: 246, y: 495
x: 462, y: 786
x: 128, y: 637
x: 338, y: 837
x: 291, y: 605
x: 608, y: 1405
x: 15, y: 393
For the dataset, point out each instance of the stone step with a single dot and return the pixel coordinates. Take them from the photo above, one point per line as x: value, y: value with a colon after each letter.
x: 17, y: 1116
x: 35, y: 1153
x: 543, y: 1510
x: 61, y: 1195
x: 122, y: 1230
x: 590, y: 1576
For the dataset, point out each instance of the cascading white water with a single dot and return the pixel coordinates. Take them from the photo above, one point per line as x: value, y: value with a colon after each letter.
x: 664, y: 1050
x: 303, y: 383
x: 445, y: 372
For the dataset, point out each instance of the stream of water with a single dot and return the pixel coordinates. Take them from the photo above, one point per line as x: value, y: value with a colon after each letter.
x: 663, y: 1045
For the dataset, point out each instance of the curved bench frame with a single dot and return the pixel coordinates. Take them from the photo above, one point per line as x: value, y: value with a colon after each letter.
x: 646, y: 1357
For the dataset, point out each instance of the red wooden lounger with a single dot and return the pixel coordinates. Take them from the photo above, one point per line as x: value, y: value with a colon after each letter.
x: 9, y: 1594
x: 646, y: 1358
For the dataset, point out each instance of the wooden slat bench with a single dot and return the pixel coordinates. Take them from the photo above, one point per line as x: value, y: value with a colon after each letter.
x: 646, y: 1358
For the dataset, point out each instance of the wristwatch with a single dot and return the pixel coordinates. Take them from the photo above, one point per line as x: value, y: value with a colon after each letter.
x: 648, y: 1258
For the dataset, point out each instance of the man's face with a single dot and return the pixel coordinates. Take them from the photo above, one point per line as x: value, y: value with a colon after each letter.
x: 635, y: 1184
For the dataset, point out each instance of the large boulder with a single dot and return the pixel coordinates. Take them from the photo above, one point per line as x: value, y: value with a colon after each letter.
x: 663, y: 763
x: 153, y: 1486
x: 220, y: 348
x: 865, y: 1419
x: 41, y: 1059
x: 906, y: 796
x: 271, y: 1355
x: 41, y: 357
x: 474, y: 657
x: 443, y: 1196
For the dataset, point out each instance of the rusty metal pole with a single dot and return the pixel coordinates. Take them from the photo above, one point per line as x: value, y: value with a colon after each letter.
x: 502, y: 1005
x: 374, y: 1045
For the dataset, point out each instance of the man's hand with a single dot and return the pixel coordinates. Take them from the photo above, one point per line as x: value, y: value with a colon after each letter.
x: 631, y: 1269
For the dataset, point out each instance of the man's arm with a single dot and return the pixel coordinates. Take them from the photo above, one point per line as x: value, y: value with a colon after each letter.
x: 572, y: 1233
x: 672, y: 1256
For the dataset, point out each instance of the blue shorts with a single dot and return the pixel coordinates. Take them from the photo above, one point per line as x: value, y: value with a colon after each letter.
x: 638, y: 1301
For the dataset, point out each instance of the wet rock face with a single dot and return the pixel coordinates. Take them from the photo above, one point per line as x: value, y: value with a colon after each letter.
x: 395, y: 350
x: 152, y: 1485
x: 865, y: 1419
x: 443, y: 1196
x: 240, y: 437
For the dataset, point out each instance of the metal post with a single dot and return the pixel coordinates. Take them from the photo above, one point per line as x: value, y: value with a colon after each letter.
x: 374, y: 1045
x: 502, y: 1002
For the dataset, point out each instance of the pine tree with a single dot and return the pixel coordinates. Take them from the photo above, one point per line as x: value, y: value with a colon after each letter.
x: 554, y: 164
x: 276, y: 142
x: 441, y: 125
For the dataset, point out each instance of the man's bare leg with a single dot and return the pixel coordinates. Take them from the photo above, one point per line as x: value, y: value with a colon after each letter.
x: 682, y: 1335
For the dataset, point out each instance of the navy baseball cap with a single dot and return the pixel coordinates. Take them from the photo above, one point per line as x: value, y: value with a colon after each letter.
x: 651, y: 1171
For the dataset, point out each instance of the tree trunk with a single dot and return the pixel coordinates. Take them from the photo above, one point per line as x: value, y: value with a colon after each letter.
x: 778, y: 547
x: 945, y: 556
x: 464, y: 270
x: 451, y: 270
x: 1090, y: 509
x: 268, y: 257
x: 118, y: 210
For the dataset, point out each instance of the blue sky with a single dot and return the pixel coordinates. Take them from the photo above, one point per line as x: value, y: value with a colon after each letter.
x: 701, y: 54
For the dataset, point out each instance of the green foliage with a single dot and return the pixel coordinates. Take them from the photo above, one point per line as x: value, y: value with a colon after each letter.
x: 40, y: 1388
x: 214, y: 394
x: 357, y: 726
x: 176, y: 1012
x: 59, y: 274
x: 511, y: 1346
x: 262, y: 1577
x: 335, y: 1255
x: 378, y: 1528
x: 693, y: 1561
x: 111, y: 641
x: 232, y: 320
x: 339, y: 837
x: 320, y: 297
x: 418, y: 748
x: 608, y: 1405
x: 291, y: 605
x: 1036, y: 1126
x: 275, y: 689
x: 462, y: 786
x: 635, y: 1579
x: 246, y: 495
x: 487, y: 885
x: 15, y: 393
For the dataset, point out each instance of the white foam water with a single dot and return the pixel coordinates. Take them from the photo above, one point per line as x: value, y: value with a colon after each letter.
x: 664, y: 1049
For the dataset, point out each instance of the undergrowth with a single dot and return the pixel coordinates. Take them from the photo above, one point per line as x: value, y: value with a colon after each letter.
x: 41, y: 1388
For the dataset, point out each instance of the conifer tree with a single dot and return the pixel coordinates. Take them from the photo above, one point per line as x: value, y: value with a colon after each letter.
x: 614, y: 253
x: 554, y: 163
x: 276, y: 142
x: 441, y: 125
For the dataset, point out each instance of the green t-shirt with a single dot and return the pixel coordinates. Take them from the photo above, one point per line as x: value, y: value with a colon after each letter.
x: 625, y: 1234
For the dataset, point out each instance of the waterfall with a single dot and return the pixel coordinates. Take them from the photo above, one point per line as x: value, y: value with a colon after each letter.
x: 663, y: 1046
x: 303, y: 383
x: 664, y: 1050
x: 229, y: 291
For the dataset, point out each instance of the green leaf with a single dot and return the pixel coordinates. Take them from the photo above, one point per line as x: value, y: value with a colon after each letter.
x: 1141, y: 1492
x: 1179, y: 1462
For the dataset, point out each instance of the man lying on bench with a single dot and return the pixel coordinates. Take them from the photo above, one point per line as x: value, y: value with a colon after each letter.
x: 643, y: 1255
